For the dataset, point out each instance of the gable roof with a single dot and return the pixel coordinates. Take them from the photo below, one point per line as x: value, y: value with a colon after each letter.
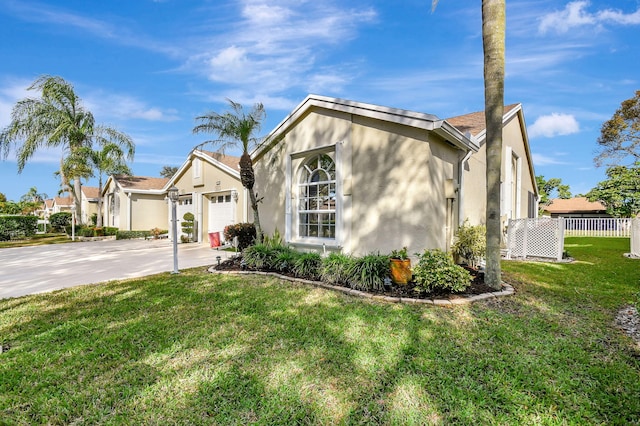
x: 227, y: 163
x: 575, y: 205
x: 393, y: 115
x: 137, y: 184
x: 474, y: 123
x: 63, y: 201
x: 48, y: 203
x: 90, y: 191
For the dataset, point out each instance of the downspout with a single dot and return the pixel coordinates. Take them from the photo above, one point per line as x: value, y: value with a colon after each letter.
x: 461, y: 166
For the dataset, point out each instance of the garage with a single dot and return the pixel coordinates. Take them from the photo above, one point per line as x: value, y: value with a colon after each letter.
x: 221, y: 213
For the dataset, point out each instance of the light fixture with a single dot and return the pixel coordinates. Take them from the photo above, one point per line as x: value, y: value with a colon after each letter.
x: 173, y: 194
x: 234, y: 195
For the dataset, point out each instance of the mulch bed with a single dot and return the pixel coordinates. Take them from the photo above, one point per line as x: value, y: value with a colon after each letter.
x: 477, y: 285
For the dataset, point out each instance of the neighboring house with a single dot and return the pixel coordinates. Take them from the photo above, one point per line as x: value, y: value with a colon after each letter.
x: 135, y: 203
x: 578, y: 207
x: 361, y: 178
x: 62, y: 204
x: 209, y: 187
x: 89, y: 203
x: 519, y: 193
x: 46, y: 210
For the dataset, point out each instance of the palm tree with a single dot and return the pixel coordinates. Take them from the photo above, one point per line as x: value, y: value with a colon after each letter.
x: 493, y: 42
x: 232, y: 128
x: 55, y: 119
x: 109, y: 160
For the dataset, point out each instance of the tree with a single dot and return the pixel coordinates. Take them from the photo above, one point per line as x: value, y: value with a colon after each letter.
x: 552, y: 188
x: 3, y: 198
x: 232, y: 128
x: 55, y: 119
x: 493, y: 43
x: 109, y: 160
x: 620, y: 136
x: 34, y: 196
x: 620, y: 193
x: 168, y: 171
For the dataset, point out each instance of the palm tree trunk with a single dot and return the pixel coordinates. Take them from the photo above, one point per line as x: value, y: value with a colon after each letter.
x: 77, y: 198
x: 247, y: 177
x: 493, y: 41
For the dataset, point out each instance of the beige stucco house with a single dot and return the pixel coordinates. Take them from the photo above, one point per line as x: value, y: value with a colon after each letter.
x: 135, y: 203
x: 577, y: 207
x: 519, y: 193
x: 209, y: 187
x: 89, y: 203
x: 360, y: 178
x: 62, y: 204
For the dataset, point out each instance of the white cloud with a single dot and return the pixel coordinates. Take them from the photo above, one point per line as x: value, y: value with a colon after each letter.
x: 545, y: 160
x: 125, y: 107
x: 575, y: 14
x: 554, y: 125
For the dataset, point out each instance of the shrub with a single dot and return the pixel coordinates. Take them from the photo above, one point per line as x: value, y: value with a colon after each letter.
x: 128, y: 235
x: 436, y: 270
x: 369, y: 272
x: 335, y: 268
x: 94, y: 219
x: 470, y: 243
x: 259, y: 256
x: 285, y: 259
x: 59, y: 221
x: 307, y: 265
x: 17, y: 226
x: 188, y: 226
x: 109, y: 231
x: 245, y: 232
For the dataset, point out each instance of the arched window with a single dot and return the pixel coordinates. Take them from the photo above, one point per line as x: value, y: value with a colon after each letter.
x: 317, y: 198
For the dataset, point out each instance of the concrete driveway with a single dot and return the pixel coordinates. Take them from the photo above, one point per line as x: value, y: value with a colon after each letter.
x: 28, y: 270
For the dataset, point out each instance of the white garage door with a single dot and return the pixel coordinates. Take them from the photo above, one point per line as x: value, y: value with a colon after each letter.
x: 221, y: 213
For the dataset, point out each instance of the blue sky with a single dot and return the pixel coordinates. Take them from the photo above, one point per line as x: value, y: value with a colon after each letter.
x: 148, y: 67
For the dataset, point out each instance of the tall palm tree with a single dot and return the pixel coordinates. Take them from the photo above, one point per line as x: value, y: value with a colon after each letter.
x: 493, y: 42
x: 55, y: 119
x: 232, y: 128
x: 110, y: 159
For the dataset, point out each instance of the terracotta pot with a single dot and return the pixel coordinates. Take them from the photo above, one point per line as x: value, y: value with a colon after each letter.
x: 401, y: 271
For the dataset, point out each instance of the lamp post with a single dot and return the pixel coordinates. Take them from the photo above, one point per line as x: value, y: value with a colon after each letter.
x: 73, y: 223
x: 173, y: 197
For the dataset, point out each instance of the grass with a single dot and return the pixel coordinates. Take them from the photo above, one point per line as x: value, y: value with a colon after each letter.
x: 37, y: 240
x: 208, y: 349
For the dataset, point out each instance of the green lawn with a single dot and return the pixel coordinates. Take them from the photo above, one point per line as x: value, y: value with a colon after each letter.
x: 37, y: 240
x: 206, y: 349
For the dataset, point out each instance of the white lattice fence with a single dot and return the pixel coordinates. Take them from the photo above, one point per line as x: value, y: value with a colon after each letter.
x: 541, y: 237
x: 635, y: 237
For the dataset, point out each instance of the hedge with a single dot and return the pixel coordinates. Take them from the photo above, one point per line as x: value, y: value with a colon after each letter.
x: 15, y: 226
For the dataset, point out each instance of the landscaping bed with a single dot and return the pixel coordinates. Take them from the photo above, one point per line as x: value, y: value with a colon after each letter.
x: 476, y: 287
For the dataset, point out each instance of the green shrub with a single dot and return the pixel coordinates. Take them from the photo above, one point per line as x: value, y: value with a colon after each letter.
x: 59, y: 221
x: 94, y: 219
x: 17, y: 226
x: 335, y: 268
x: 109, y: 231
x: 285, y: 259
x: 369, y: 272
x: 245, y: 232
x: 470, y: 243
x: 436, y: 271
x: 129, y: 235
x: 307, y: 265
x: 188, y: 224
x: 259, y: 256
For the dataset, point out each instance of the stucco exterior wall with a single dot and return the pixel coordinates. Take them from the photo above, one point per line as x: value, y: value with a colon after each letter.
x: 147, y: 211
x: 474, y: 180
x: 390, y: 182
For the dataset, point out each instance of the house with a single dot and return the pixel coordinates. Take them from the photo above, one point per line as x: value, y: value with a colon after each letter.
x: 46, y: 209
x: 135, y: 203
x: 519, y: 193
x: 578, y: 207
x: 210, y: 188
x: 89, y: 203
x: 360, y: 178
x: 62, y: 204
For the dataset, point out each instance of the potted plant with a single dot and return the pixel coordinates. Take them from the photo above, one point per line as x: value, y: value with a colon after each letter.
x: 400, y: 265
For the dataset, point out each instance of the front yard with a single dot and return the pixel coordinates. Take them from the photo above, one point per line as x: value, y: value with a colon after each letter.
x: 198, y: 348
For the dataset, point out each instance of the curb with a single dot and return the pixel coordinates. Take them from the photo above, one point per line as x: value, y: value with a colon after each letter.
x: 507, y: 290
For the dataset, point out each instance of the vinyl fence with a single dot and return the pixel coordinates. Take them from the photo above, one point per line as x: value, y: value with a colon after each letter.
x: 635, y: 237
x: 540, y: 237
x: 597, y: 227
